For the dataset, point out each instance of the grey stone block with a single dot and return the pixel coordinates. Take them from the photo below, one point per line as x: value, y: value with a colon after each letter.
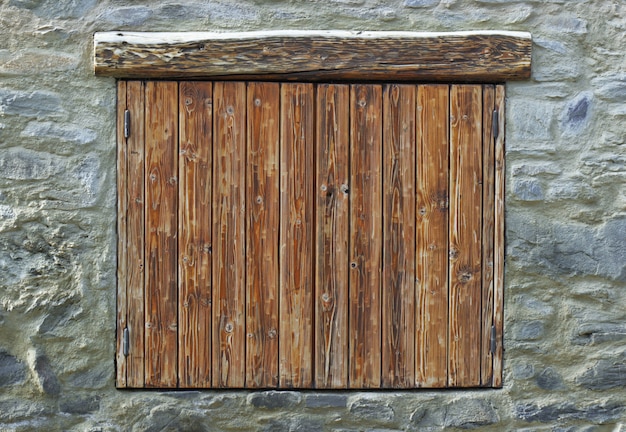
x: 80, y: 405
x: 611, y: 88
x: 599, y: 332
x: 274, y: 399
x: 597, y: 413
x: 550, y: 379
x: 605, y: 374
x: 530, y: 331
x: 528, y: 190
x: 46, y: 376
x: 470, y: 414
x: 127, y: 16
x: 326, y: 400
x: 62, y: 132
x: 420, y: 3
x: 30, y: 104
x: 371, y: 409
x: 12, y: 371
x: 576, y: 114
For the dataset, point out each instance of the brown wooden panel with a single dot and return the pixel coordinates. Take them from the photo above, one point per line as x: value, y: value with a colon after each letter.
x: 398, y: 276
x: 122, y: 206
x: 499, y: 247
x: 431, y: 353
x: 229, y: 159
x: 194, y: 233
x: 486, y: 362
x: 331, y: 236
x: 467, y: 56
x: 365, y: 235
x: 262, y: 218
x: 296, y: 235
x: 465, y: 235
x: 161, y: 231
x: 135, y: 234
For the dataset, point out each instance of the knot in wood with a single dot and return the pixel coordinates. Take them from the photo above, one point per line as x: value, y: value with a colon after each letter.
x: 188, y: 101
x: 272, y: 333
x: 353, y: 265
x: 228, y: 328
x: 344, y: 188
x: 257, y: 102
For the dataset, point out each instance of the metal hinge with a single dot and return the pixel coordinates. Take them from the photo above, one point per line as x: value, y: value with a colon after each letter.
x: 125, y: 342
x: 126, y: 124
x: 493, y: 339
x: 495, y: 124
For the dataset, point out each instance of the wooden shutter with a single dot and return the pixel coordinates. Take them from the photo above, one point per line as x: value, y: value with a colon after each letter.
x: 299, y: 235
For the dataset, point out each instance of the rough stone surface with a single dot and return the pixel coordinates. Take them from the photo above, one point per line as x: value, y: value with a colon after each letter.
x: 565, y: 366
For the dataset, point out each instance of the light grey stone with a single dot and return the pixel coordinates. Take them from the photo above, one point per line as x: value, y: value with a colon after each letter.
x: 534, y: 168
x: 611, y: 88
x: 570, y: 189
x: 470, y: 414
x: 30, y: 104
x: 7, y: 212
x: 523, y: 371
x: 567, y: 410
x: 127, y: 16
x: 566, y: 24
x: 38, y: 62
x: 420, y: 3
x: 599, y: 332
x: 552, y: 45
x: 63, y: 132
x: 529, y: 121
x: 57, y: 9
x: 23, y: 164
x: 12, y: 371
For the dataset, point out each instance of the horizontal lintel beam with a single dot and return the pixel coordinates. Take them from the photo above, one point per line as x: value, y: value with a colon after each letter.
x: 481, y: 56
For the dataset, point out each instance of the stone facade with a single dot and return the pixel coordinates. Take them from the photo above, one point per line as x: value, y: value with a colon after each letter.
x: 565, y: 319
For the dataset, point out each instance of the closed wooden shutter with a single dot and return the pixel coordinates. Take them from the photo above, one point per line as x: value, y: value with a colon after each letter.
x: 300, y: 235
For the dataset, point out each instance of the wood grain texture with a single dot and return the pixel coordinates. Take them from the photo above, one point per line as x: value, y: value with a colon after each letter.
x: 161, y: 185
x: 465, y: 235
x: 122, y: 209
x: 290, y: 55
x: 331, y: 236
x: 195, y: 113
x: 296, y: 235
x: 229, y: 206
x: 262, y: 218
x: 398, y: 275
x: 365, y: 236
x: 486, y: 363
x: 135, y: 234
x: 499, y: 245
x: 431, y: 353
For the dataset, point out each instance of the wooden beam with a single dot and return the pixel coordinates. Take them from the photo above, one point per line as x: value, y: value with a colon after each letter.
x: 481, y: 56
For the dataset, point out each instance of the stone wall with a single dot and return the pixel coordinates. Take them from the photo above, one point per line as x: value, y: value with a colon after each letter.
x: 565, y: 318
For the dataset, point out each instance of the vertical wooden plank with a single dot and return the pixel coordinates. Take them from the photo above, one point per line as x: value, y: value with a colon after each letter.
x: 431, y: 355
x: 486, y: 362
x: 331, y: 221
x: 398, y: 278
x: 122, y: 205
x: 498, y: 267
x: 365, y: 236
x: 262, y: 234
x: 465, y: 234
x: 296, y: 235
x: 229, y: 159
x: 161, y: 231
x: 135, y: 234
x: 194, y: 233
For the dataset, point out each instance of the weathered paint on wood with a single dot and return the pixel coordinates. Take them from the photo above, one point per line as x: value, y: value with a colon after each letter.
x: 316, y: 55
x: 331, y: 240
x: 135, y: 234
x: 161, y: 185
x: 465, y: 235
x: 229, y: 207
x: 486, y: 373
x: 122, y: 209
x: 262, y: 218
x: 195, y: 112
x: 431, y: 214
x: 365, y: 235
x: 499, y: 247
x: 296, y: 235
x: 398, y: 272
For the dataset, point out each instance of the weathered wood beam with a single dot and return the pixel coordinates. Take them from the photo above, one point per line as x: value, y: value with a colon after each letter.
x: 481, y: 56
